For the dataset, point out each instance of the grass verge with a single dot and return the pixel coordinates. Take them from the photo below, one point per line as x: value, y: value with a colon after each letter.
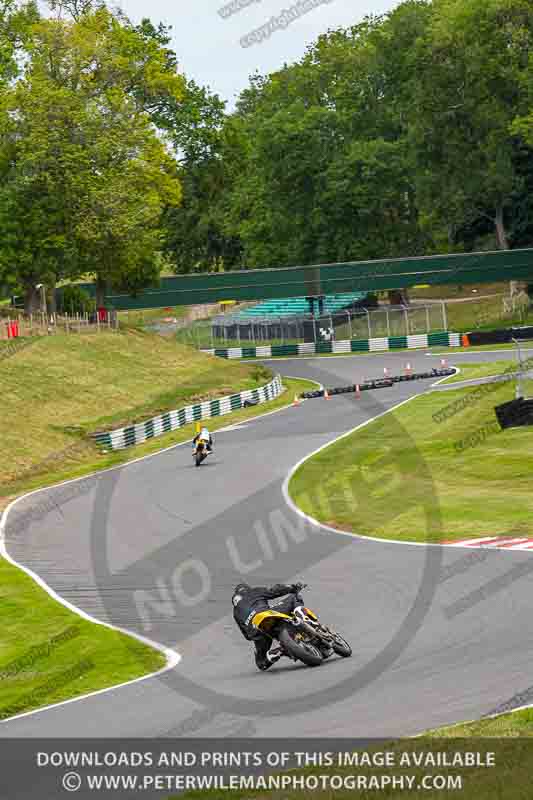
x: 490, y: 369
x: 60, y: 388
x: 74, y: 463
x: 49, y: 654
x: 517, y: 723
x: 412, y: 477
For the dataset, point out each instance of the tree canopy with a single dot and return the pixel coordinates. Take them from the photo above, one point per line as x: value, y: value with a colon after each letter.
x: 407, y: 134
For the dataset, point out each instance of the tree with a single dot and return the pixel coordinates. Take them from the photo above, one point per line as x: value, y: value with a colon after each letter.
x: 201, y: 133
x: 85, y: 175
x: 467, y: 92
x: 327, y: 173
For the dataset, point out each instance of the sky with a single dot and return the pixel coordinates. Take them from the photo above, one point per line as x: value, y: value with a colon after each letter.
x: 209, y: 46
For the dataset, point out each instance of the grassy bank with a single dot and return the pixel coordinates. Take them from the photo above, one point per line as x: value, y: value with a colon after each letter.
x: 412, y: 477
x: 48, y: 653
x: 82, y: 458
x: 59, y: 388
x: 490, y: 369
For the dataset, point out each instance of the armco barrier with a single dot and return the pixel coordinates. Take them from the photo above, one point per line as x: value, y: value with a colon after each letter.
x: 500, y: 336
x: 444, y: 339
x: 380, y: 383
x: 171, y: 420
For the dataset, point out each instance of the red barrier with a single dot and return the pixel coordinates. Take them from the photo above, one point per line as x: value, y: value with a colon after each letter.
x: 12, y: 329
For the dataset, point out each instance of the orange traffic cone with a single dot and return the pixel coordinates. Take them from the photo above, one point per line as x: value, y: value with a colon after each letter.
x: 444, y: 363
x: 408, y: 368
x: 357, y: 390
x: 326, y: 394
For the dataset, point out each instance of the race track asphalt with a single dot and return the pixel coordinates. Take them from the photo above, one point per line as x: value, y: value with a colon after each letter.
x: 439, y: 634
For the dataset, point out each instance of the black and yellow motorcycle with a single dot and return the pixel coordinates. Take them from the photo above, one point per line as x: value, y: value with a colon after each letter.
x: 201, y: 452
x: 301, y: 635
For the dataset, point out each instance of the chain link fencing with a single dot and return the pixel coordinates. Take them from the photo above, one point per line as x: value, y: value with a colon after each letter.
x: 236, y: 330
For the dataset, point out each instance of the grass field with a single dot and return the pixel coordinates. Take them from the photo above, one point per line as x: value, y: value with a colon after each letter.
x: 484, y: 314
x: 454, y: 292
x: 48, y: 653
x: 59, y: 388
x: 473, y: 371
x: 140, y: 317
x: 412, y: 477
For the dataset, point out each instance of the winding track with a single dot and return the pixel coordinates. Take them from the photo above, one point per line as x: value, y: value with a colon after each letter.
x: 99, y: 541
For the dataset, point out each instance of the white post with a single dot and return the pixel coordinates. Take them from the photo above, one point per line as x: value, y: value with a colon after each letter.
x: 518, y: 390
x: 406, y: 321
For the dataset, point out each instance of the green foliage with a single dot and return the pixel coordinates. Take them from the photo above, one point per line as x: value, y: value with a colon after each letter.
x: 75, y: 300
x: 407, y: 134
x: 196, y: 240
x: 85, y: 175
x: 467, y: 92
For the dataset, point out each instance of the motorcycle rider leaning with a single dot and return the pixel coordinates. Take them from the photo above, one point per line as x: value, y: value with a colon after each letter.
x: 249, y: 601
x: 203, y: 434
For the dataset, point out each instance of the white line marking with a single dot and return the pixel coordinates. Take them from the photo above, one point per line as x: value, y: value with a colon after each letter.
x: 236, y: 427
x: 506, y: 542
x: 467, y: 542
x: 353, y: 535
x: 525, y: 545
x: 457, y: 352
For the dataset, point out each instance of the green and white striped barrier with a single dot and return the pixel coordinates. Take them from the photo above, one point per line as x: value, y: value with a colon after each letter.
x: 349, y: 346
x: 171, y: 420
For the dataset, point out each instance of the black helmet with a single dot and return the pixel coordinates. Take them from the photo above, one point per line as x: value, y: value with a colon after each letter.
x: 241, y: 587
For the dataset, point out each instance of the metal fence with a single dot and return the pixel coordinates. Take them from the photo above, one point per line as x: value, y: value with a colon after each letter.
x: 16, y: 325
x: 236, y: 330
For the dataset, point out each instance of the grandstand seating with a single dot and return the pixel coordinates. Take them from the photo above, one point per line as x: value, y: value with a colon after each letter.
x: 292, y: 306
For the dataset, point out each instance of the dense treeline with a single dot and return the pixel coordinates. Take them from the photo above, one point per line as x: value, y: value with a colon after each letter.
x: 407, y: 134
x: 86, y: 174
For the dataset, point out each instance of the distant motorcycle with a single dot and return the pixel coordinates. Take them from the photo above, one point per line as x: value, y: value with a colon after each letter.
x: 201, y: 452
x: 301, y: 636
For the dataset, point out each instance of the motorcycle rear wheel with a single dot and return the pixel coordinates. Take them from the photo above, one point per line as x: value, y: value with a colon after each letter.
x: 299, y: 648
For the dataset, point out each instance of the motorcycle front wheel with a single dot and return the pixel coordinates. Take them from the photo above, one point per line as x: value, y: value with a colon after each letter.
x: 341, y: 646
x: 296, y: 647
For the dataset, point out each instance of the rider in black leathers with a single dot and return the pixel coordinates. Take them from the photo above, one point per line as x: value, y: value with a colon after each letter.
x: 249, y: 601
